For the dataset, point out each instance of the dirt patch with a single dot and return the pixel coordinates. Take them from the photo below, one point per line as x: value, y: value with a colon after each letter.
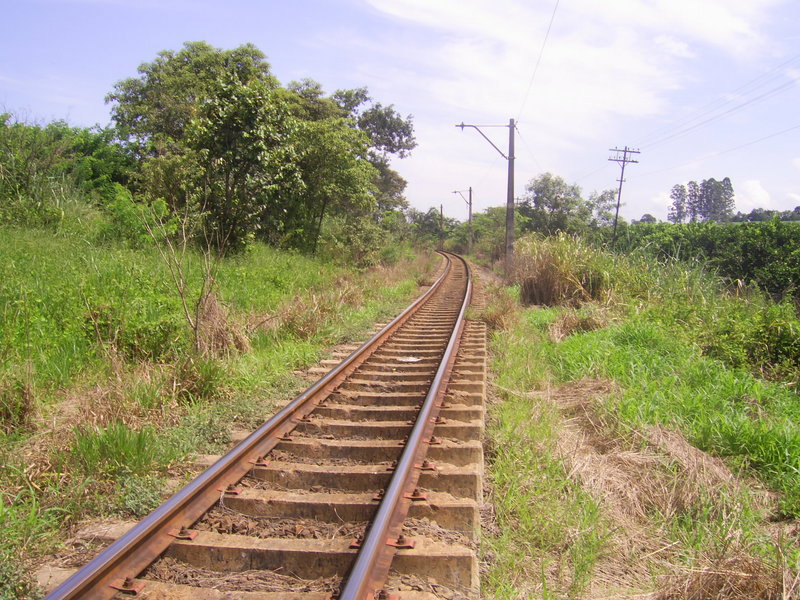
x: 169, y: 570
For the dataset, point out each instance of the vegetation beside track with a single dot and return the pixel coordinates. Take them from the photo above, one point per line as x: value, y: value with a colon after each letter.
x: 683, y: 355
x: 102, y: 391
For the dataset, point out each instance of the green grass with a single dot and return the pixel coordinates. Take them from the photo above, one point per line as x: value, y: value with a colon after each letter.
x: 105, y: 322
x: 540, y: 511
x: 687, y: 353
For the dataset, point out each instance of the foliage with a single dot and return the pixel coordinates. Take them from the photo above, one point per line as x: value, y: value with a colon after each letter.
x: 218, y: 138
x: 46, y: 170
x: 766, y: 254
x: 711, y: 200
x: 682, y: 355
x: 552, y: 205
x: 763, y: 214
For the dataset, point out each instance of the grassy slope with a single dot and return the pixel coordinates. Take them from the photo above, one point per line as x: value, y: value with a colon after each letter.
x: 671, y: 341
x: 94, y: 340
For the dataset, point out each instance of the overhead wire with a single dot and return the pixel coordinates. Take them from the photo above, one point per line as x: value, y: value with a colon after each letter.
x: 538, y: 60
x: 528, y: 148
x: 735, y: 94
x: 662, y: 135
x: 765, y: 96
x: 727, y: 150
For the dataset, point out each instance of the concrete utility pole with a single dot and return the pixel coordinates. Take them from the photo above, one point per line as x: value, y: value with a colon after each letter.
x: 469, y: 226
x: 441, y: 227
x: 510, y: 191
x: 623, y: 160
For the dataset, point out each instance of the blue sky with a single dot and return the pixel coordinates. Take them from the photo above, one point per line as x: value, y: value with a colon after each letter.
x: 705, y: 88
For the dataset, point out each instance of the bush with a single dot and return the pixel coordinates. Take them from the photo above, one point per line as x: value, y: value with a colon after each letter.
x: 764, y: 253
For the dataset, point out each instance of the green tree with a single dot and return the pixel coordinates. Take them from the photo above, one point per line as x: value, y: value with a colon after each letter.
x: 716, y: 202
x: 552, y: 205
x: 694, y: 208
x: 337, y: 178
x: 169, y: 92
x: 678, y: 209
x: 646, y: 218
x: 602, y: 206
x: 241, y: 144
x: 212, y: 136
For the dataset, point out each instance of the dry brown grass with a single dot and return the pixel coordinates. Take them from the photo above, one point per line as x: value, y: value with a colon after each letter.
x: 572, y: 322
x: 642, y: 480
x: 558, y: 275
x: 737, y: 577
x: 218, y: 334
x: 502, y: 310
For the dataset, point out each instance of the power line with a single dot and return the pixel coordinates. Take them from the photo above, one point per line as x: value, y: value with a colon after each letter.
x: 773, y: 92
x: 538, y: 60
x: 719, y: 103
x: 529, y: 149
x: 726, y: 151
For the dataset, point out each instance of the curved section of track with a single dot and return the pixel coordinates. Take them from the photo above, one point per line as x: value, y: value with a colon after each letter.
x: 325, y: 498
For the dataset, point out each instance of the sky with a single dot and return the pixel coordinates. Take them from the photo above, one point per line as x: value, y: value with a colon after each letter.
x: 703, y: 88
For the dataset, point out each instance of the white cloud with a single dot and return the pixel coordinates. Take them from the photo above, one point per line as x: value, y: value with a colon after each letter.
x: 796, y: 162
x: 672, y: 46
x: 752, y: 194
x: 606, y: 66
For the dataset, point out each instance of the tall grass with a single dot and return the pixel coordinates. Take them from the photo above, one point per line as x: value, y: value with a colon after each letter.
x: 94, y: 340
x: 688, y: 353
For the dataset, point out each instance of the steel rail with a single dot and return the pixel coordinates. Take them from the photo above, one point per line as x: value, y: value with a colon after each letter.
x: 129, y: 555
x: 373, y: 561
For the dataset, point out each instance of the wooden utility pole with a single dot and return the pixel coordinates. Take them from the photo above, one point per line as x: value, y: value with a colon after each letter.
x: 623, y: 160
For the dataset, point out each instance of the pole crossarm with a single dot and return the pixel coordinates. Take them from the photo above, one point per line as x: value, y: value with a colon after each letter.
x: 478, y: 129
x: 461, y: 193
x: 620, y: 157
x: 509, y: 192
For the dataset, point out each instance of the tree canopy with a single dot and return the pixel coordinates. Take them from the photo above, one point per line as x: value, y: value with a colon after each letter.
x: 710, y: 200
x: 215, y: 134
x: 551, y: 205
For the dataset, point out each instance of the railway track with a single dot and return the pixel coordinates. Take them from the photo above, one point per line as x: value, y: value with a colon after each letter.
x: 367, y: 485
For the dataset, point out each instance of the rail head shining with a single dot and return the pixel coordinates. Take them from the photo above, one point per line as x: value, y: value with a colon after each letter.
x: 373, y: 560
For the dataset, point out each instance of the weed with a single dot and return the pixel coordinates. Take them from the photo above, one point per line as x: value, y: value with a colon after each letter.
x: 138, y: 495
x: 16, y: 404
x: 198, y: 379
x: 15, y: 582
x: 118, y: 450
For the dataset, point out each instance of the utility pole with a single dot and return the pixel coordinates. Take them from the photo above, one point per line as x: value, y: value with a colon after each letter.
x: 623, y: 160
x: 469, y: 227
x: 510, y: 191
x: 441, y: 227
